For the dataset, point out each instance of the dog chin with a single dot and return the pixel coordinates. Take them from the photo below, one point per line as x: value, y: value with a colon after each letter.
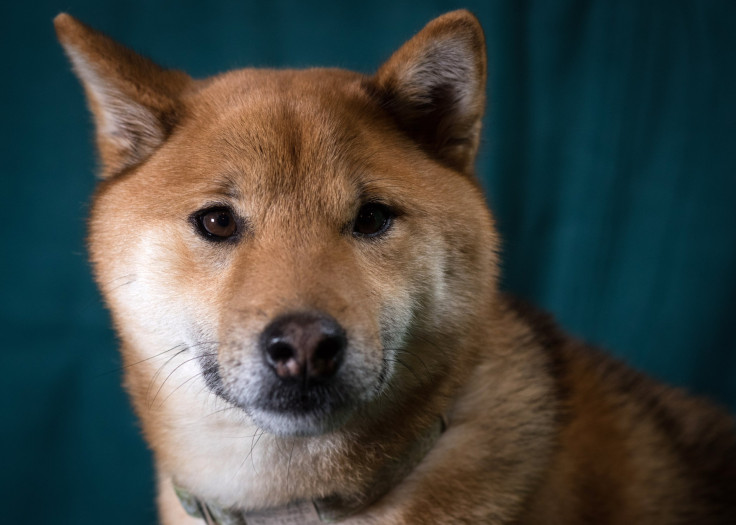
x: 298, y: 424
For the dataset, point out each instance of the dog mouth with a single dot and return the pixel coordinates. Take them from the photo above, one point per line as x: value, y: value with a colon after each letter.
x: 294, y: 407
x: 296, y: 380
x: 302, y: 409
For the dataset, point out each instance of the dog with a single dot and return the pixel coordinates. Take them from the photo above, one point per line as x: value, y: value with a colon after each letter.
x: 302, y: 271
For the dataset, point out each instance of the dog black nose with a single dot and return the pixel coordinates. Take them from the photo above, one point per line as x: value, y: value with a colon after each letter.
x: 304, y: 345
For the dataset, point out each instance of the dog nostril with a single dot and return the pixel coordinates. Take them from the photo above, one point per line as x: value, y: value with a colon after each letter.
x: 279, y: 351
x: 327, y: 355
x: 284, y: 358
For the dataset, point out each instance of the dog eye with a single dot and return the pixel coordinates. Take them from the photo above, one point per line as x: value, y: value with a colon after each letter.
x: 216, y: 224
x: 372, y: 220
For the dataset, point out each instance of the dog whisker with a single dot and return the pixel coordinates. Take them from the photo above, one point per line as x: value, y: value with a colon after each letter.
x: 198, y: 374
x: 407, y: 367
x: 254, y: 441
x: 160, y: 368
x: 170, y: 374
x: 416, y: 356
x: 220, y: 410
x: 185, y: 349
x: 92, y: 301
x: 252, y: 448
x: 430, y: 342
x: 121, y: 368
x: 288, y: 464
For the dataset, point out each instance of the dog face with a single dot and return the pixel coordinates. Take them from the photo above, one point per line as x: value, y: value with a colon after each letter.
x: 290, y: 241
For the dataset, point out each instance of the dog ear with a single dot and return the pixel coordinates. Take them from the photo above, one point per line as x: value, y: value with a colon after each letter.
x: 434, y: 86
x: 135, y: 103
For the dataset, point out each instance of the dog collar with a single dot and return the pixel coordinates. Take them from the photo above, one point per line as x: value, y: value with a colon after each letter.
x: 331, y: 509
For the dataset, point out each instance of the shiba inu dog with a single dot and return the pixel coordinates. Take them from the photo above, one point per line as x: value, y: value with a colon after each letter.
x: 302, y: 271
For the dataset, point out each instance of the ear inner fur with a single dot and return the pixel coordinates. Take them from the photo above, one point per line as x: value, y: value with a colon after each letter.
x: 133, y: 100
x: 434, y: 87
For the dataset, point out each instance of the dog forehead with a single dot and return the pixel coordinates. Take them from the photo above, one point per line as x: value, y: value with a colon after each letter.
x: 282, y: 129
x: 257, y: 108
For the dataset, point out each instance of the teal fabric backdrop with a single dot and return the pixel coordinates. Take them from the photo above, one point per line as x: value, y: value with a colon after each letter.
x: 608, y: 157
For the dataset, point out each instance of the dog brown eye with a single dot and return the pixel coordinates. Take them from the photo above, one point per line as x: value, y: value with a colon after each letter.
x: 217, y: 224
x: 373, y: 219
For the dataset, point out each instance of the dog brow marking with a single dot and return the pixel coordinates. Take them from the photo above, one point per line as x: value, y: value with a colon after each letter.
x: 228, y: 188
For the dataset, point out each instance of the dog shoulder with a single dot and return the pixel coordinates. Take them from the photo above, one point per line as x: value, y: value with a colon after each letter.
x: 629, y: 448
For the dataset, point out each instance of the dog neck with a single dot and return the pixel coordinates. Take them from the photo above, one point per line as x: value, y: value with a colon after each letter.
x: 321, y: 510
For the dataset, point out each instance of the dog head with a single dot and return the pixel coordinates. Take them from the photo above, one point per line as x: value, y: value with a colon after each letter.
x: 309, y: 246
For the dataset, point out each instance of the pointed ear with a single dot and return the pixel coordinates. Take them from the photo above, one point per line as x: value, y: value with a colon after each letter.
x: 135, y: 103
x: 434, y: 86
